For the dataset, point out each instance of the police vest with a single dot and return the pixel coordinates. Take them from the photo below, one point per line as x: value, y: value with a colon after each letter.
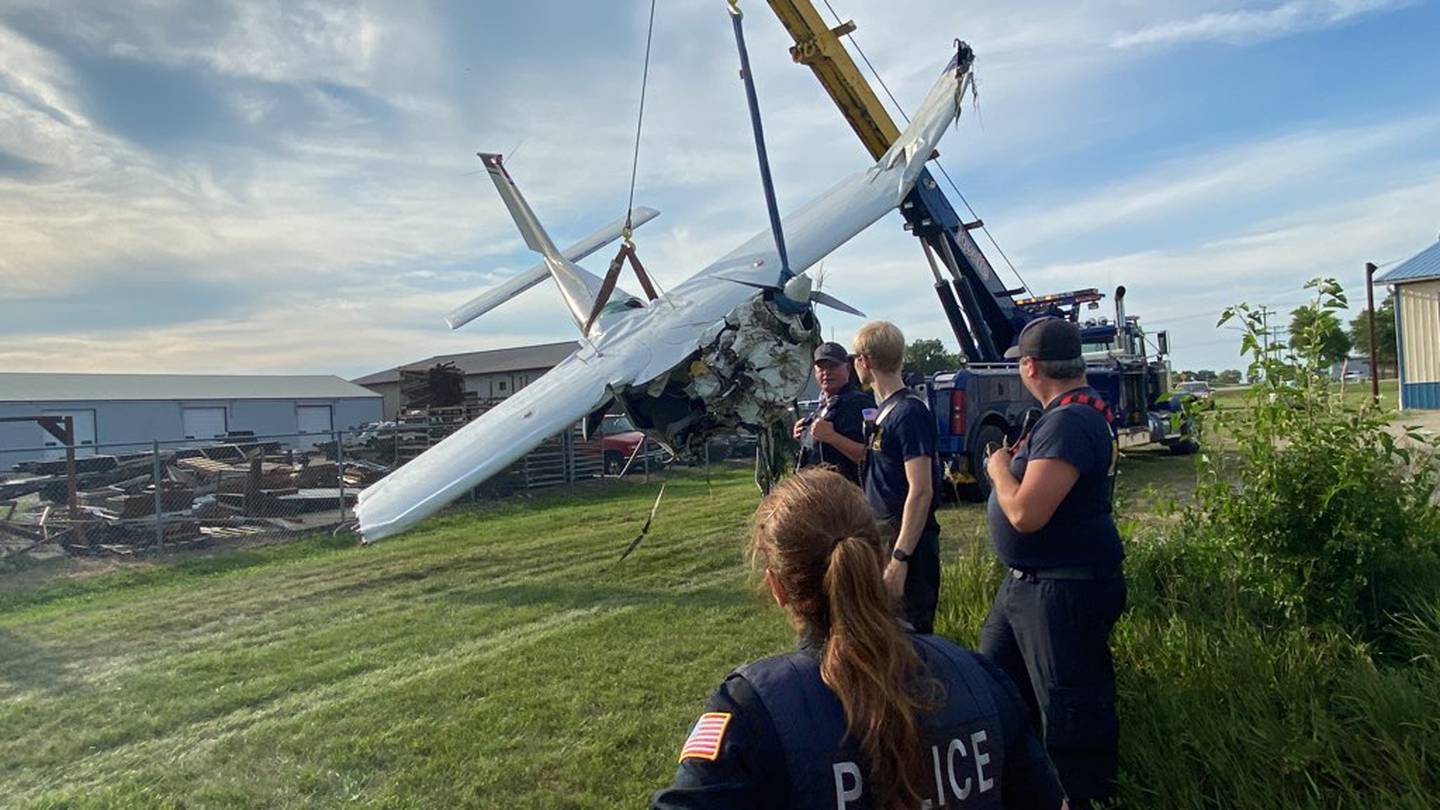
x: 963, y: 746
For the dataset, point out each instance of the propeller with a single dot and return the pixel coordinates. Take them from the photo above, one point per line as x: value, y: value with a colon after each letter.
x: 799, y: 293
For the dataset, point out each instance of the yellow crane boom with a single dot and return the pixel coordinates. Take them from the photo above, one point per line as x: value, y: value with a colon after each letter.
x: 818, y: 47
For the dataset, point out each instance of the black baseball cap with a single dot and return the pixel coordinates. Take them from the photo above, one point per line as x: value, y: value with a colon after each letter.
x: 1047, y: 338
x: 831, y: 352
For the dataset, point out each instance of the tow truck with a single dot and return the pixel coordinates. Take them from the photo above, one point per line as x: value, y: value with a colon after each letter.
x: 984, y: 401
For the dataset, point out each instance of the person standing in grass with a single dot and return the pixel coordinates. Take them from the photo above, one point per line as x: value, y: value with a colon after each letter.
x: 835, y: 434
x: 1050, y: 521
x: 865, y: 714
x: 902, y: 473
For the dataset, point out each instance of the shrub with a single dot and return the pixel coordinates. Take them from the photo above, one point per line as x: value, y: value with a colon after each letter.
x: 1326, y: 514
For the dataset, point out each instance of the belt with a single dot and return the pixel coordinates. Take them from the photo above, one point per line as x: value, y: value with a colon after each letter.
x: 1073, y: 572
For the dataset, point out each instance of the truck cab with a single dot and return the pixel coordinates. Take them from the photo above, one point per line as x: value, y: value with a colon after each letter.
x: 986, y: 403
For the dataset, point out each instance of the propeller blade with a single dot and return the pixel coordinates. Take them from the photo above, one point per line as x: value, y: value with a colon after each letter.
x: 831, y: 301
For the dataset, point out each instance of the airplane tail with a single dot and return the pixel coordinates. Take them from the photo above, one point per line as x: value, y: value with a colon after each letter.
x: 577, y: 286
x: 495, y: 296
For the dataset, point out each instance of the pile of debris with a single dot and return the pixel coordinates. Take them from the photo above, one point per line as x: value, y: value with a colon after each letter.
x: 441, y: 385
x: 112, y: 504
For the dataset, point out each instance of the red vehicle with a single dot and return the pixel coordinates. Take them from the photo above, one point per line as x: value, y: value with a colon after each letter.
x: 619, y: 440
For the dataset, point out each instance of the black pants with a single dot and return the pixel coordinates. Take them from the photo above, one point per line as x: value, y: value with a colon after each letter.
x: 922, y: 581
x: 1052, y: 637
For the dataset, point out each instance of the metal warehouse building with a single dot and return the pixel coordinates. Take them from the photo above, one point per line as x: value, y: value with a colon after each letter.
x: 116, y: 410
x: 1417, y: 327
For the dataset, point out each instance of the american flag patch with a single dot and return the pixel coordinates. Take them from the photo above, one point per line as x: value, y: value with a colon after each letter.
x: 704, y: 740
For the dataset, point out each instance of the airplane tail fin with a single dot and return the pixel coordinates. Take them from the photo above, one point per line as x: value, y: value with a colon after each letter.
x: 577, y: 286
x: 494, y: 297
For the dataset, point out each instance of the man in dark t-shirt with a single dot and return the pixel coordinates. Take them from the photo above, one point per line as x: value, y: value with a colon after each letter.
x: 902, y: 473
x: 835, y: 435
x: 1050, y: 521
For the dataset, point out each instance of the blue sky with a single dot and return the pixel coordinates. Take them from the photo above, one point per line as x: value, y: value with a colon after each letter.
x: 292, y: 187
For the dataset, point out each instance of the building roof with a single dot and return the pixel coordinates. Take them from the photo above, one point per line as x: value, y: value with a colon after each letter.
x: 491, y: 361
x: 1423, y: 266
x: 43, y: 387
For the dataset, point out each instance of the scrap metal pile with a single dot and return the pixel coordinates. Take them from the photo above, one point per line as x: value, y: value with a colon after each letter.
x: 204, y: 492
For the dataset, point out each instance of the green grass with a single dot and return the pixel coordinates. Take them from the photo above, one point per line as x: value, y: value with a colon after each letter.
x: 488, y: 655
x: 1233, y: 397
x: 499, y: 657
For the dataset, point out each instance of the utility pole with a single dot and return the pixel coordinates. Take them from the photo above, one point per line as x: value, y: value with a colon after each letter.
x: 1370, y: 269
x: 1265, y: 339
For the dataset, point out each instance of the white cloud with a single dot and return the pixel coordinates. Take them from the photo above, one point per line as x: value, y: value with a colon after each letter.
x: 1246, y: 25
x: 342, y: 227
x: 1310, y: 163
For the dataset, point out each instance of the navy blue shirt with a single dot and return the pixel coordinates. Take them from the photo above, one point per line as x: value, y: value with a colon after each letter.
x: 846, y: 411
x: 906, y: 432
x: 1082, y: 530
x: 750, y: 770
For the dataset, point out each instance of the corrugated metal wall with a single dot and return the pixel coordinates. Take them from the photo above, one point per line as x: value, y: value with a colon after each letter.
x: 1418, y: 317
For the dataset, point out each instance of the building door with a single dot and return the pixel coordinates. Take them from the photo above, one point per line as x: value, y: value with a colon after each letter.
x: 203, y: 423
x: 314, y: 420
x: 84, y: 435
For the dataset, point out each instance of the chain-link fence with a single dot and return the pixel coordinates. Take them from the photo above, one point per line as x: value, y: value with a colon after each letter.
x: 128, y: 498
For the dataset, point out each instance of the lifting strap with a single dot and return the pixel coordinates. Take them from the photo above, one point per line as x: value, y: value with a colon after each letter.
x: 612, y: 277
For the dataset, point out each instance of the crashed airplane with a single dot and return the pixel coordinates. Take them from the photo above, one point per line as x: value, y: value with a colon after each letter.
x: 728, y: 348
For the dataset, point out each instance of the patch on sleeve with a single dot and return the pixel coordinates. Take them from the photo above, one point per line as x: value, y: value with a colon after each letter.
x: 705, y: 738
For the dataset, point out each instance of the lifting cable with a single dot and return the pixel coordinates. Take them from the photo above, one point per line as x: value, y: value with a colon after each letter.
x: 771, y: 206
x: 639, y: 122
x: 879, y: 79
x: 627, y: 232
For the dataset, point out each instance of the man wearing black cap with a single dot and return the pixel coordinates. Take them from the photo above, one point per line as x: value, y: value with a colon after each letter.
x: 835, y: 435
x: 1051, y: 523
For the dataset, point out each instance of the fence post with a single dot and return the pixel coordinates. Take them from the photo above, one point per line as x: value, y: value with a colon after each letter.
x: 570, y: 456
x: 340, y: 471
x: 156, y: 473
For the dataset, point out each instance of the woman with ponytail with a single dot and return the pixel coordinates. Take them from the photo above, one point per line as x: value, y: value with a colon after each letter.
x: 865, y: 714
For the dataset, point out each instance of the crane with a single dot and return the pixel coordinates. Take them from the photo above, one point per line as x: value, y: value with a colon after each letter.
x: 985, y: 401
x: 981, y: 310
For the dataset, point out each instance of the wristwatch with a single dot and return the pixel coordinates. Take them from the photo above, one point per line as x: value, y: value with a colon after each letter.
x: 900, y: 555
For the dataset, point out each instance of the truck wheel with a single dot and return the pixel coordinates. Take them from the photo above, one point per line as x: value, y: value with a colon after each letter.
x: 1183, y: 447
x: 987, y: 435
x: 614, y: 462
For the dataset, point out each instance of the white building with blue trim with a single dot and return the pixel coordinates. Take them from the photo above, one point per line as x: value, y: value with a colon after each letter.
x: 124, y: 413
x: 1416, y: 284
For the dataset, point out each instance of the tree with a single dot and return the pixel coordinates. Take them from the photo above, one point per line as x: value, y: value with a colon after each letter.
x: 1322, y: 327
x: 1385, y: 344
x: 1185, y: 376
x: 1206, y: 374
x: 928, y: 357
x: 1230, y: 376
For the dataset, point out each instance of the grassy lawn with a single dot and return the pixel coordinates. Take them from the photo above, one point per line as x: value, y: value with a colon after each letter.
x: 1233, y: 397
x: 500, y: 657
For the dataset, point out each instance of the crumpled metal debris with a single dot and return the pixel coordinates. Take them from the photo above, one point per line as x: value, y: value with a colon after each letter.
x: 750, y: 373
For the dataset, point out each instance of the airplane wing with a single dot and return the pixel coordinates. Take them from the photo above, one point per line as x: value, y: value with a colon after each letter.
x: 852, y: 205
x: 497, y: 439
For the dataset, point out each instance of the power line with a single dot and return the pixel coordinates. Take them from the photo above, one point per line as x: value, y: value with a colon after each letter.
x: 901, y: 109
